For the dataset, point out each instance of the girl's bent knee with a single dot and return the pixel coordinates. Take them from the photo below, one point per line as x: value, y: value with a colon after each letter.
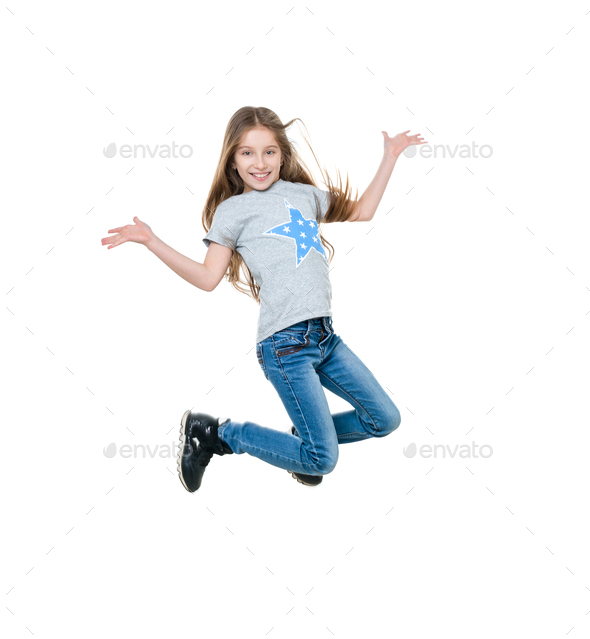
x: 325, y: 468
x: 325, y: 465
x: 320, y: 461
x: 391, y: 422
x: 395, y: 419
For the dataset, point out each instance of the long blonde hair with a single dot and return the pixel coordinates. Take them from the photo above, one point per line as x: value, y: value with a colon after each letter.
x: 227, y: 183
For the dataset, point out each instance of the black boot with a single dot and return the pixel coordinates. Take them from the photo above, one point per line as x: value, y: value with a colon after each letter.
x: 308, y: 480
x: 198, y: 443
x: 204, y: 427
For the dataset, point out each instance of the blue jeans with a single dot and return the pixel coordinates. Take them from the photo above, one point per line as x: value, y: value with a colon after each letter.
x: 298, y: 361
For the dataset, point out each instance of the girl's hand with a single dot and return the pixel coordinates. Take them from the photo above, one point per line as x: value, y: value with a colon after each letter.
x: 139, y: 232
x: 397, y: 145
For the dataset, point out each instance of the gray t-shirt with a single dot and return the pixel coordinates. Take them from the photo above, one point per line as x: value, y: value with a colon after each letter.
x: 275, y: 232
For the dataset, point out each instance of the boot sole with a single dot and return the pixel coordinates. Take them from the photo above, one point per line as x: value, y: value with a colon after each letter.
x: 304, y: 482
x: 181, y: 448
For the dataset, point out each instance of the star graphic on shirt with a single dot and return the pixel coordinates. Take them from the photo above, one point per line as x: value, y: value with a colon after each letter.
x: 288, y: 229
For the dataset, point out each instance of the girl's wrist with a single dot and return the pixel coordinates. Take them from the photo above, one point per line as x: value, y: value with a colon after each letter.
x: 390, y: 157
x: 150, y: 243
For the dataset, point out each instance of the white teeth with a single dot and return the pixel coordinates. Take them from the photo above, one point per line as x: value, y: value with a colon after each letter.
x: 260, y: 174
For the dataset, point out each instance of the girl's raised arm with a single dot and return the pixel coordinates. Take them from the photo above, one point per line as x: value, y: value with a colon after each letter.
x: 205, y: 276
x: 392, y: 148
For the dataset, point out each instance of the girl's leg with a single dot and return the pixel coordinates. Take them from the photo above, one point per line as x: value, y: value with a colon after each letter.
x: 289, y: 360
x: 343, y: 373
x: 299, y: 362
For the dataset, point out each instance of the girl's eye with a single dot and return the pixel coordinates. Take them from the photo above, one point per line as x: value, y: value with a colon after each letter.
x: 269, y: 151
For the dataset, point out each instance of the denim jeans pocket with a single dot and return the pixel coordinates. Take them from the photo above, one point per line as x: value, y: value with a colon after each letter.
x: 287, y: 342
x: 261, y: 359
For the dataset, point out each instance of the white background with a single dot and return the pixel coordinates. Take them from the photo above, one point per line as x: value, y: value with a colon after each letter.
x: 467, y: 295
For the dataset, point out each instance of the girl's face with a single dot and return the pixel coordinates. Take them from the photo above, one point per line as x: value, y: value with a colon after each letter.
x: 258, y: 153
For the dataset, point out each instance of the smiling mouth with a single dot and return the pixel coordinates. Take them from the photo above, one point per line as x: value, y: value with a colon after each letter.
x: 260, y: 175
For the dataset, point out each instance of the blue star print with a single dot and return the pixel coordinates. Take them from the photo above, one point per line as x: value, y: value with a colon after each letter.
x: 303, y: 231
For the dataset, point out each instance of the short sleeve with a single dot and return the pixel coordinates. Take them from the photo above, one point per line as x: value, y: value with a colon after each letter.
x: 224, y: 228
x: 324, y: 200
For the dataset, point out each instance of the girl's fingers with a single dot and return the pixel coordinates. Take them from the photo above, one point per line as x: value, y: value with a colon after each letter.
x: 114, y: 240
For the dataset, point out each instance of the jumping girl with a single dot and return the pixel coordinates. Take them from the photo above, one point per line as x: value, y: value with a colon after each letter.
x: 263, y: 215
